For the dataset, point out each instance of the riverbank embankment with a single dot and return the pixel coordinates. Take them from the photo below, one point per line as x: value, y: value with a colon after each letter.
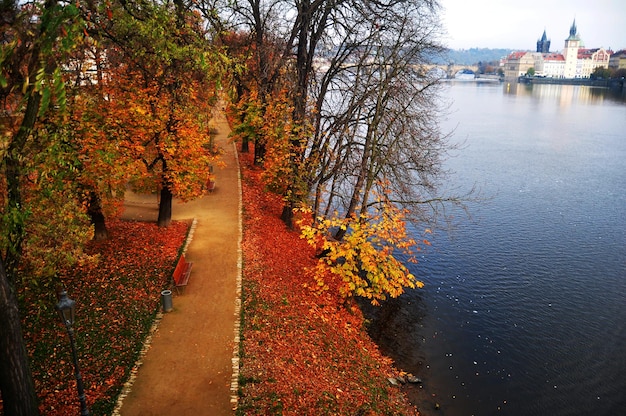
x: 605, y: 83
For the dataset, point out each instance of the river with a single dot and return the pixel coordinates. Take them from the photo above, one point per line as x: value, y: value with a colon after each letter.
x: 524, y: 306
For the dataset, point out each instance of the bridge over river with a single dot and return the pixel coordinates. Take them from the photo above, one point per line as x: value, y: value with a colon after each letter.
x: 452, y: 69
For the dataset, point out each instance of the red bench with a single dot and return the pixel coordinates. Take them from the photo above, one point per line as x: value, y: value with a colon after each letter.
x: 210, y: 184
x: 181, y: 273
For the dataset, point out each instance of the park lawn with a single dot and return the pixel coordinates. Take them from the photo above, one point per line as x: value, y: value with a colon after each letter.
x: 116, y: 304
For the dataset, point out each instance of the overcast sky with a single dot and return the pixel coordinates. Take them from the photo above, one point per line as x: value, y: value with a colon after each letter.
x: 518, y: 24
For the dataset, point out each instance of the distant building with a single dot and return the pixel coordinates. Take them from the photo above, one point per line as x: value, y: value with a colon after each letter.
x: 590, y: 59
x: 518, y: 63
x: 554, y: 65
x: 543, y: 44
x: 575, y: 61
x: 618, y: 60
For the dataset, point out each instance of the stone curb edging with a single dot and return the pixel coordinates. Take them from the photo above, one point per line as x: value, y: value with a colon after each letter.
x: 126, y: 389
x: 234, y: 383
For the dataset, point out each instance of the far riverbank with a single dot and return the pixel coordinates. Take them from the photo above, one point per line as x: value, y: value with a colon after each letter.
x: 606, y: 83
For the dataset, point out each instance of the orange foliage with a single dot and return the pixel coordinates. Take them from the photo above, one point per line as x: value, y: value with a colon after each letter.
x: 167, y: 133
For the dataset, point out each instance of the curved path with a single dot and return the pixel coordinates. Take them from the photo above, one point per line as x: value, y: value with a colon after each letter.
x: 191, y: 364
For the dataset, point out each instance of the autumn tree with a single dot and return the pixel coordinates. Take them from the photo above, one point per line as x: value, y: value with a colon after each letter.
x: 163, y: 83
x: 103, y: 168
x: 266, y: 40
x: 376, y: 151
x: 365, y: 260
x: 35, y: 40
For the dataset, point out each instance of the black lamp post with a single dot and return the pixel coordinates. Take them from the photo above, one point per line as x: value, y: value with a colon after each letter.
x: 67, y: 308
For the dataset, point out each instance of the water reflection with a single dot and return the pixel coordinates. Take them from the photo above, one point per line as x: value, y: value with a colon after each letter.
x: 565, y: 95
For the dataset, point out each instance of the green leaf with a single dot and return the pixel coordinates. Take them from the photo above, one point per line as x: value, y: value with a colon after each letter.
x: 45, y: 101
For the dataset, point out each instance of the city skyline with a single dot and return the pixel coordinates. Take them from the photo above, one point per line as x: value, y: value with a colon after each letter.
x: 514, y: 25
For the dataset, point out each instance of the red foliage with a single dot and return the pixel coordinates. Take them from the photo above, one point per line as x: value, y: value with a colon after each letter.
x: 116, y: 304
x: 304, y: 352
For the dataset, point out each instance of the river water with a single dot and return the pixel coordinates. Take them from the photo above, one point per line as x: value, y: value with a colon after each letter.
x: 524, y: 308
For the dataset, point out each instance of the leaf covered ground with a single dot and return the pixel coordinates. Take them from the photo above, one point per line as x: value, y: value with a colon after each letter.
x: 116, y: 303
x: 303, y: 352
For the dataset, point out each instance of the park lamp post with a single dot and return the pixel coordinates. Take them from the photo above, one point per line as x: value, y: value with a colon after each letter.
x: 67, y: 308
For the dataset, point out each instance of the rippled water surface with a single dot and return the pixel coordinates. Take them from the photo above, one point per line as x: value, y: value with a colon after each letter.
x: 524, y: 309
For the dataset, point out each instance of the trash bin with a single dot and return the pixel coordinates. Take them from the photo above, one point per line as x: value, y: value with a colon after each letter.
x: 166, y: 299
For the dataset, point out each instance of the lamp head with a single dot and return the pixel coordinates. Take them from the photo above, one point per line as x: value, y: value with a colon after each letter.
x: 66, y: 308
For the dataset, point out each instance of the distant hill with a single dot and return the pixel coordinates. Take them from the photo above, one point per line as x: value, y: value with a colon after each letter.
x: 472, y: 56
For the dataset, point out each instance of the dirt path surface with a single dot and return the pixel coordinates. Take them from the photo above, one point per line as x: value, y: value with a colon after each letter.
x: 191, y: 365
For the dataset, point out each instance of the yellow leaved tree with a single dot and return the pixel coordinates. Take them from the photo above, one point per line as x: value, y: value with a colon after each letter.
x: 366, y: 259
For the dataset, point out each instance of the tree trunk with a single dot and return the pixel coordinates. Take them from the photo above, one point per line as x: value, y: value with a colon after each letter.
x: 16, y: 382
x: 165, y: 208
x: 287, y: 215
x: 94, y: 210
x: 313, y: 17
x: 358, y: 192
x: 259, y: 152
x: 14, y: 171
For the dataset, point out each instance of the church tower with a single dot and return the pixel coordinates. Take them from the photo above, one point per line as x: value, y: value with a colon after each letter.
x: 543, y: 44
x: 570, y: 52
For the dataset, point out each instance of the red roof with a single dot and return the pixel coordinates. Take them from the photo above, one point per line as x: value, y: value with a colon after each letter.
x: 517, y: 55
x: 553, y: 57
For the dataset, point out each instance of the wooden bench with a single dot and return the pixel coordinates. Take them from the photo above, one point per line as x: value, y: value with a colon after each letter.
x: 181, y: 273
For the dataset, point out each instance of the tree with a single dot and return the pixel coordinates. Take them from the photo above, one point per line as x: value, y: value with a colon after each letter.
x: 35, y: 37
x: 530, y: 72
x: 269, y: 45
x: 103, y: 168
x: 364, y: 120
x: 16, y: 383
x: 379, y: 117
x: 382, y: 139
x: 487, y: 67
x: 366, y: 259
x: 601, y: 73
x: 163, y: 83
